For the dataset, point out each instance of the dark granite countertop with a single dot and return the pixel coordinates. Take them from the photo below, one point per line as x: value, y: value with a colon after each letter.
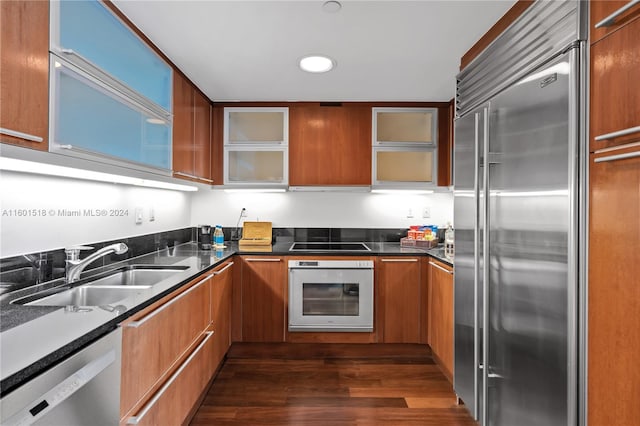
x: 33, y: 338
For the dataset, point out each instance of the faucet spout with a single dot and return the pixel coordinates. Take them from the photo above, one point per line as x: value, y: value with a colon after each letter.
x: 76, y: 266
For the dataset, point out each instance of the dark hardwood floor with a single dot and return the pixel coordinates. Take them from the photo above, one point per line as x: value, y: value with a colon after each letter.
x: 330, y: 384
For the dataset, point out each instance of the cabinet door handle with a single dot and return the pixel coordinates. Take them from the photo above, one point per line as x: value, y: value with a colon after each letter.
x: 611, y: 19
x: 192, y: 176
x: 619, y: 133
x: 263, y: 260
x: 441, y: 268
x: 137, y: 324
x: 399, y: 260
x: 137, y: 419
x: 229, y: 265
x: 21, y: 135
x: 617, y: 157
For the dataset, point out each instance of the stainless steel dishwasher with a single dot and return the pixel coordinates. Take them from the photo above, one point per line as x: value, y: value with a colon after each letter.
x: 82, y: 390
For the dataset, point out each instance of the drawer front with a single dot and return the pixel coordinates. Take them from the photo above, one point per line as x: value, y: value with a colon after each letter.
x: 615, y: 88
x: 173, y: 402
x: 154, y: 340
x: 620, y: 12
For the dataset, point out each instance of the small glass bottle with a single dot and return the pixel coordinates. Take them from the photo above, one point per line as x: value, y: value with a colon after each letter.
x: 449, y: 251
x: 218, y: 237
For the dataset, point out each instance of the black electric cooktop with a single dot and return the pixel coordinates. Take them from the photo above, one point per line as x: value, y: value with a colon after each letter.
x: 329, y: 246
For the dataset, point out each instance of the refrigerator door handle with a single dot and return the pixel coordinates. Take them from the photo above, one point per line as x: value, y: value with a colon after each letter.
x: 485, y: 268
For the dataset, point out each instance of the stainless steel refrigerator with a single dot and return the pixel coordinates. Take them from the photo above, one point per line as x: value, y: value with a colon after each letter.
x: 518, y: 167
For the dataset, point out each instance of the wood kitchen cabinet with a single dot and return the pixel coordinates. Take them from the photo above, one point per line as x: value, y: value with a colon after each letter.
x: 329, y: 144
x: 399, y: 299
x: 24, y: 88
x: 263, y: 288
x: 191, y: 132
x: 160, y: 342
x: 615, y: 86
x: 440, y: 314
x: 221, y: 299
x: 601, y: 9
x: 614, y: 209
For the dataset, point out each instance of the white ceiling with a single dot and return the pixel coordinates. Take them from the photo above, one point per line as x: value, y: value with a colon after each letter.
x: 249, y: 50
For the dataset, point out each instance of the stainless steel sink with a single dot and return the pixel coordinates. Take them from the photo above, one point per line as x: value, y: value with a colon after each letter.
x: 88, y: 295
x: 138, y: 275
x: 105, y: 288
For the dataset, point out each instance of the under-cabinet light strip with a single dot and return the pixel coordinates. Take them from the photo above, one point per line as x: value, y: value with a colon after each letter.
x: 22, y: 166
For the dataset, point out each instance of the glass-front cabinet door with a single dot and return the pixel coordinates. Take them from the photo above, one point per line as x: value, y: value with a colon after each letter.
x: 256, y: 146
x: 404, y: 148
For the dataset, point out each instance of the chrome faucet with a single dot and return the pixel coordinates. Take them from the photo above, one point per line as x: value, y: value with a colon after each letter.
x: 75, y: 266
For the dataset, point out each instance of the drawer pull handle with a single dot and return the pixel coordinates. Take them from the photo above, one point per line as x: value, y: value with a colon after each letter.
x: 192, y: 176
x: 611, y: 19
x: 141, y: 322
x: 229, y: 265
x: 137, y: 419
x: 399, y: 260
x: 619, y: 133
x: 441, y: 268
x: 263, y: 260
x: 617, y: 157
x: 21, y: 135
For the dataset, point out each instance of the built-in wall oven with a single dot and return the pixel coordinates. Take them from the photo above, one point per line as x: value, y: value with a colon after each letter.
x: 331, y: 295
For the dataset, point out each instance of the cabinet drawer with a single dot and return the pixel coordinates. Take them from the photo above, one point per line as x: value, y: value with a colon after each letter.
x: 615, y: 88
x: 623, y: 11
x: 174, y: 400
x: 154, y: 340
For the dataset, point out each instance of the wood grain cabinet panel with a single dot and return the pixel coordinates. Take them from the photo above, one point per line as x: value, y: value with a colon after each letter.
x: 329, y: 145
x: 264, y: 282
x: 191, y: 132
x: 154, y: 339
x: 24, y: 88
x: 183, y: 130
x: 601, y: 9
x: 615, y: 86
x: 440, y: 335
x: 614, y: 289
x: 174, y: 402
x: 399, y: 286
x: 221, y: 294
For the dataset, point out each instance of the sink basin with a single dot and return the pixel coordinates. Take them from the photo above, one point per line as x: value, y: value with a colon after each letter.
x: 87, y: 295
x: 105, y: 288
x: 138, y: 275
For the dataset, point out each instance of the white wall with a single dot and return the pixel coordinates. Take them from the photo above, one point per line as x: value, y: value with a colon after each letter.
x: 321, y: 209
x: 31, y: 216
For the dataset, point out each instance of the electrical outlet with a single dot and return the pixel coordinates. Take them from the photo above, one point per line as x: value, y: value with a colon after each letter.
x: 152, y: 214
x: 243, y: 213
x: 410, y: 213
x: 426, y: 212
x: 138, y: 215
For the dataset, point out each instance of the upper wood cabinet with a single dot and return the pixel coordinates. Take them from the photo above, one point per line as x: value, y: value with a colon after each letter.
x: 615, y: 88
x: 602, y: 9
x: 263, y: 288
x: 400, y: 294
x: 330, y: 145
x: 24, y: 91
x: 191, y: 132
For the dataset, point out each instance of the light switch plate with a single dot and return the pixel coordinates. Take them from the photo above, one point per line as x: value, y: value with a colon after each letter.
x: 138, y: 215
x: 426, y: 212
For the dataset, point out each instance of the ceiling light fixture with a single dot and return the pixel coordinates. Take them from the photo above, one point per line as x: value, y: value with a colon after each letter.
x: 317, y: 63
x: 332, y: 6
x: 22, y: 166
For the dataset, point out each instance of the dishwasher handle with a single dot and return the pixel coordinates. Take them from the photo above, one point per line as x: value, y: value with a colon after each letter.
x: 62, y: 391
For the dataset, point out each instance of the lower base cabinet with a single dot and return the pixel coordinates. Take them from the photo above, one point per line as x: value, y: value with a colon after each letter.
x: 157, y: 343
x: 440, y: 323
x: 175, y: 400
x: 221, y: 299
